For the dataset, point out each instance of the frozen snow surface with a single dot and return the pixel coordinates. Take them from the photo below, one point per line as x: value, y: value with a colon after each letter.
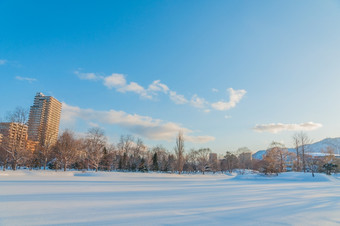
x: 76, y: 198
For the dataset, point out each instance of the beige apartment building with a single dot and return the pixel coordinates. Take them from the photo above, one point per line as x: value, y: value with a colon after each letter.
x: 31, y: 145
x: 44, y: 119
x: 14, y: 135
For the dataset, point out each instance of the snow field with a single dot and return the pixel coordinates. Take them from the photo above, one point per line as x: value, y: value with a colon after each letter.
x: 76, y: 198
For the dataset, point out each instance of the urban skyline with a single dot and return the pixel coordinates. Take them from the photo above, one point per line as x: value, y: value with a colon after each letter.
x: 40, y: 131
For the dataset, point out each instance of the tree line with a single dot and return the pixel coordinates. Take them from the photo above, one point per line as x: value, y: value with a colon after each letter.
x: 94, y: 152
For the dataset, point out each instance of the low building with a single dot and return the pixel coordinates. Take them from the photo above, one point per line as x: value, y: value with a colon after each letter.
x: 14, y: 135
x: 31, y: 145
x: 245, y: 156
x: 213, y: 157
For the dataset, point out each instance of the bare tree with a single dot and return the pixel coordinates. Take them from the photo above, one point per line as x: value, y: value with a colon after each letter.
x: 280, y: 154
x: 179, y: 151
x: 296, y: 142
x: 275, y: 159
x: 125, y: 147
x: 46, y: 148
x: 19, y: 115
x: 137, y: 151
x: 162, y: 156
x: 313, y: 163
x: 31, y: 159
x: 192, y: 161
x: 203, y: 159
x: 109, y: 159
x: 328, y: 155
x: 125, y: 144
x: 4, y: 156
x: 94, y: 144
x: 171, y: 163
x: 230, y: 162
x: 66, y: 149
x: 269, y: 163
x: 304, y: 141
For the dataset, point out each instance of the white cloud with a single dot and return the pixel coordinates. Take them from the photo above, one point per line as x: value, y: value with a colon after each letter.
x: 144, y: 126
x: 88, y: 76
x: 118, y: 81
x: 120, y: 84
x: 30, y: 80
x: 278, y: 127
x: 198, y: 102
x: 157, y: 86
x: 3, y: 62
x: 115, y: 81
x: 227, y: 116
x: 235, y: 97
x: 136, y: 88
x: 177, y: 98
x: 214, y: 90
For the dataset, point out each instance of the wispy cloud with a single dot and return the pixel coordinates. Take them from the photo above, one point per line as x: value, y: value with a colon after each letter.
x: 235, y: 97
x: 214, y: 90
x: 279, y: 127
x: 3, y: 62
x: 157, y: 86
x: 198, y: 102
x: 88, y: 76
x: 115, y: 81
x: 153, y: 129
x: 135, y: 88
x: 30, y: 80
x: 119, y: 83
x: 177, y: 98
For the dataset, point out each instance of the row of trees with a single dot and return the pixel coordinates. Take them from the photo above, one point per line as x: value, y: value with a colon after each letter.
x: 278, y: 159
x: 94, y: 152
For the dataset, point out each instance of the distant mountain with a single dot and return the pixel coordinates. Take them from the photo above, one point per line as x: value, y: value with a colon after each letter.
x: 314, y: 148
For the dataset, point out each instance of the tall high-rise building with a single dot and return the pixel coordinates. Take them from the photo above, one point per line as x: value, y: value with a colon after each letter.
x: 44, y: 119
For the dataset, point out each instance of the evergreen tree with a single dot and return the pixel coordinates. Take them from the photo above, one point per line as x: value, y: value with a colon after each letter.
x: 125, y: 161
x: 155, y: 162
x: 142, y: 167
x: 105, y: 162
x: 120, y: 164
x: 329, y: 167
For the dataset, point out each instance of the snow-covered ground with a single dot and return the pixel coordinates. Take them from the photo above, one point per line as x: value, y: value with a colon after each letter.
x: 75, y: 198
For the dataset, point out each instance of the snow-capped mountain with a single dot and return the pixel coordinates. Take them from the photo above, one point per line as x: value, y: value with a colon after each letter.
x: 315, y: 148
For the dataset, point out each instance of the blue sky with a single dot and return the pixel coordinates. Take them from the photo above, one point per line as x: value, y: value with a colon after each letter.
x: 228, y: 73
